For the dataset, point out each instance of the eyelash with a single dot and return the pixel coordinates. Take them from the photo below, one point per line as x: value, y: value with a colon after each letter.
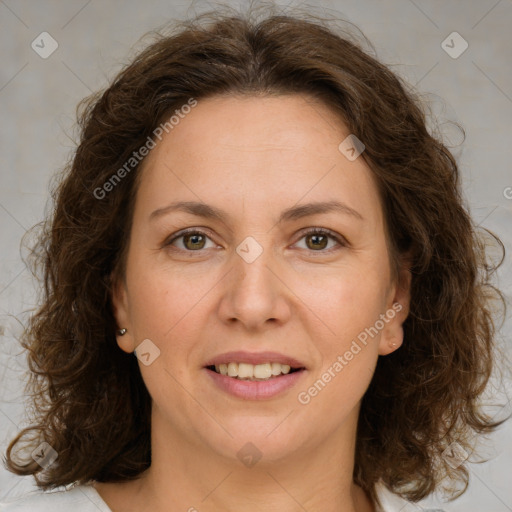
x: 313, y: 231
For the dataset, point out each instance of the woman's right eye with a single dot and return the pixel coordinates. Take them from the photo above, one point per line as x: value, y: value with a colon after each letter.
x: 191, y: 240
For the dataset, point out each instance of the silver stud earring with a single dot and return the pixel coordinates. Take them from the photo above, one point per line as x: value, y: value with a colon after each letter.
x: 122, y: 331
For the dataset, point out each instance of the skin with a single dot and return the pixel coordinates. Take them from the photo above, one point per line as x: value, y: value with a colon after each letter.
x: 254, y: 157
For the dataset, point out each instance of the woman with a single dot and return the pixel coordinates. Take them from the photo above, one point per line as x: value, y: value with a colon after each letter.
x: 263, y: 290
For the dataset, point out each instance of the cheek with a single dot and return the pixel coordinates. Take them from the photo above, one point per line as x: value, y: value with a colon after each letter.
x: 348, y: 349
x: 159, y: 297
x: 344, y: 300
x: 167, y: 306
x: 334, y: 390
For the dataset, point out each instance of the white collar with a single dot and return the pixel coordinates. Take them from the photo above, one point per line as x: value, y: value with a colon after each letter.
x: 393, y: 503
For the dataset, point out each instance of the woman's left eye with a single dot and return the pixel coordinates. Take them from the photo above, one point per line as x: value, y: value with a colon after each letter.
x: 317, y: 240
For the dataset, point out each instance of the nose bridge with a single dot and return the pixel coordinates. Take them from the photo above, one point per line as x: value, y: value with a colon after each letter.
x: 254, y: 293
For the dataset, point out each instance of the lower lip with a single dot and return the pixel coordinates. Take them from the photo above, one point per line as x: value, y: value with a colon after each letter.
x: 255, y: 390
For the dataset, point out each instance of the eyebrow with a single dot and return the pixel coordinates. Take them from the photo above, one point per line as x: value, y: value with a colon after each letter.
x: 294, y: 213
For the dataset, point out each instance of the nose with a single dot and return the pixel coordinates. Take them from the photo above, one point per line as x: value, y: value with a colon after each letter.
x: 255, y: 294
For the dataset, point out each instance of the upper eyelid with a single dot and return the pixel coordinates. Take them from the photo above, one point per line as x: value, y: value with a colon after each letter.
x: 186, y: 231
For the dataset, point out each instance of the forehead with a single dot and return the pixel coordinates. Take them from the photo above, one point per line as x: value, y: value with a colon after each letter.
x: 286, y: 122
x: 257, y: 151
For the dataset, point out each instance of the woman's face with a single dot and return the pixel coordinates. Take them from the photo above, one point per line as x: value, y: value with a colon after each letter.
x: 256, y: 281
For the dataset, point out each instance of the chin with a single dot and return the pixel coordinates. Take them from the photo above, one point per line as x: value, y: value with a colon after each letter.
x: 255, y: 437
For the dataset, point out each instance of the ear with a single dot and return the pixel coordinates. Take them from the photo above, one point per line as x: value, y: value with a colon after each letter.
x: 397, y: 309
x: 120, y: 306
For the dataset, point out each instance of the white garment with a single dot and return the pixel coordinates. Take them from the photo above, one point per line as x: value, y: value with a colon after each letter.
x: 85, y: 498
x: 81, y: 498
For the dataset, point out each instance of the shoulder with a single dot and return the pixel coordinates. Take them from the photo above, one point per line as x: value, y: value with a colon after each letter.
x: 82, y: 498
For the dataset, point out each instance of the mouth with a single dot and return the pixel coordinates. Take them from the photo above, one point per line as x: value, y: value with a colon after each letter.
x: 253, y: 372
x: 255, y: 375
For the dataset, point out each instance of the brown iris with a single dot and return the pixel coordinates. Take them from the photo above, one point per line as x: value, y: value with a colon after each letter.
x: 315, y: 238
x: 195, y: 238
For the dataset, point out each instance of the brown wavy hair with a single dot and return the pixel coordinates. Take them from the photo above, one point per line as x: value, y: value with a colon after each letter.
x: 422, y: 398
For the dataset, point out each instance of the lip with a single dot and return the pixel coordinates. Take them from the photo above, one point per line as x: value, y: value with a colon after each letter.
x: 242, y: 356
x: 255, y: 390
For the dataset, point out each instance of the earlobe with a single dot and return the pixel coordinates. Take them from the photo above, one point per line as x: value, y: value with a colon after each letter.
x: 392, y: 336
x: 120, y: 310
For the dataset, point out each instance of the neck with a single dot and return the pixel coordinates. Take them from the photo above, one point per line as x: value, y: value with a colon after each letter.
x: 186, y: 476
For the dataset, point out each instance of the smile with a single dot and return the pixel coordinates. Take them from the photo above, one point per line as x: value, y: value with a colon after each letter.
x: 253, y: 372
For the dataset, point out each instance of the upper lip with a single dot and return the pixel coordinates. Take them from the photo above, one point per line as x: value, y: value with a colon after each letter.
x: 241, y: 356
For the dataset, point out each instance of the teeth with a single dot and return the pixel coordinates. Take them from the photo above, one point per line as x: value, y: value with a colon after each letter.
x: 262, y: 371
x: 245, y: 371
x: 248, y: 371
x: 232, y: 369
x: 276, y: 368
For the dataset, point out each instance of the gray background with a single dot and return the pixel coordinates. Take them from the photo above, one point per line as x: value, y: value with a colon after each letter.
x: 38, y: 98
